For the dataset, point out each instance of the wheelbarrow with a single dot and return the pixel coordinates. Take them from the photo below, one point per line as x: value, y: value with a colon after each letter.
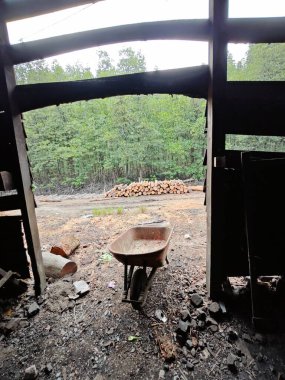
x: 143, y: 247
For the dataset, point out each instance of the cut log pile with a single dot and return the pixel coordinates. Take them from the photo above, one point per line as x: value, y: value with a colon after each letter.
x: 136, y: 189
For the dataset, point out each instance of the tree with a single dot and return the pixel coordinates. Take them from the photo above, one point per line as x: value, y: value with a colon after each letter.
x: 263, y: 62
x: 105, y: 66
x: 73, y: 145
x: 130, y: 62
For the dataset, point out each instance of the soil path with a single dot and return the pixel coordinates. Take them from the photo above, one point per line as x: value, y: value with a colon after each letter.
x: 99, y: 337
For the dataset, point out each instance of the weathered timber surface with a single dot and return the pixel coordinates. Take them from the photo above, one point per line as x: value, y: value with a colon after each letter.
x: 218, y: 12
x: 191, y: 81
x: 195, y: 30
x: 6, y: 277
x: 13, y: 136
x: 255, y: 108
x: 18, y: 9
x: 236, y: 30
x: 255, y: 30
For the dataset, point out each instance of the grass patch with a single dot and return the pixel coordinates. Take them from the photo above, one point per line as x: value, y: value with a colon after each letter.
x: 142, y: 209
x: 120, y: 210
x: 106, y: 257
x: 107, y: 211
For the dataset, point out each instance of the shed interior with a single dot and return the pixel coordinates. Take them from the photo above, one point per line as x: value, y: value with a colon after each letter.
x: 244, y: 235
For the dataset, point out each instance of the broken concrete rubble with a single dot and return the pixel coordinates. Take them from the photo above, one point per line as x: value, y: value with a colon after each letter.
x: 232, y: 362
x: 196, y: 300
x: 31, y: 373
x: 201, y: 315
x: 214, y: 309
x: 232, y: 335
x: 12, y: 325
x: 48, y: 368
x: 33, y: 309
x: 81, y: 287
x: 185, y: 315
x: 190, y: 366
x: 183, y: 328
x: 211, y: 321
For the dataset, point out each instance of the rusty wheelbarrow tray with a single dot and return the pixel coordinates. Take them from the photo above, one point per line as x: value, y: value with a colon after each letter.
x: 144, y: 247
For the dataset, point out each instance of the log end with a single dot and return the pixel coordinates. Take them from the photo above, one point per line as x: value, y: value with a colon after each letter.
x: 69, y: 268
x: 57, y: 266
x: 56, y: 250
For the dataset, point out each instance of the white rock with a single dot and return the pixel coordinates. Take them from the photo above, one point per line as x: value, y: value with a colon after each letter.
x: 31, y: 373
x: 81, y: 287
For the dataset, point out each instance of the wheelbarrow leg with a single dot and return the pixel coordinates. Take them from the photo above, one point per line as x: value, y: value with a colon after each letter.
x: 127, y: 279
x: 130, y: 277
x: 143, y: 295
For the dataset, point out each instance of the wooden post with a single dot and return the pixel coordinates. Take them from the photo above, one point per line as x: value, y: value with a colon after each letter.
x: 218, y: 12
x: 12, y: 134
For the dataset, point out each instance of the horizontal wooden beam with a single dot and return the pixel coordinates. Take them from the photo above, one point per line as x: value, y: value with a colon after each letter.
x: 161, y: 30
x: 255, y: 108
x: 256, y: 91
x: 192, y: 81
x: 236, y: 30
x: 255, y: 30
x: 18, y: 9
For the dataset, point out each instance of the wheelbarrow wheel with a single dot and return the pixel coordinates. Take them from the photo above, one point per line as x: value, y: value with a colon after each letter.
x: 138, y: 284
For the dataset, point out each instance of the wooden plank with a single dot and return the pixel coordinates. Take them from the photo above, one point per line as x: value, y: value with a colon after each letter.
x: 192, y: 81
x: 17, y: 9
x: 218, y: 10
x: 236, y: 30
x: 5, y: 278
x: 265, y: 233
x: 256, y: 91
x: 9, y: 202
x: 254, y: 119
x: 195, y: 30
x: 15, y: 281
x: 11, y: 125
x: 255, y: 108
x: 255, y: 30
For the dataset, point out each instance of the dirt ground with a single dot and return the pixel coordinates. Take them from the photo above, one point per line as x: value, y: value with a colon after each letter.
x: 99, y: 337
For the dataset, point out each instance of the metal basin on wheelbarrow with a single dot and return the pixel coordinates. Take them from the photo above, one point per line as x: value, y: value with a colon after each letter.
x: 141, y: 246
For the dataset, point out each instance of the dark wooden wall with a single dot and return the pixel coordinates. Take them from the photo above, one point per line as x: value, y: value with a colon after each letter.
x: 233, y: 108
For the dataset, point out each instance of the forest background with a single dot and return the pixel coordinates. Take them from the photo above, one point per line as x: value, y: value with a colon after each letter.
x: 130, y: 138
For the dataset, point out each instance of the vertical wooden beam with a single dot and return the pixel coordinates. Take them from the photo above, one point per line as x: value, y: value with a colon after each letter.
x: 16, y: 158
x: 218, y: 13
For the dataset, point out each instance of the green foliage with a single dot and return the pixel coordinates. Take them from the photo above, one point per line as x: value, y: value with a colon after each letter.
x: 102, y: 211
x: 123, y: 181
x: 106, y: 257
x: 142, y: 210
x: 125, y: 138
x: 263, y: 62
x: 128, y: 138
x: 130, y: 62
x: 107, y: 211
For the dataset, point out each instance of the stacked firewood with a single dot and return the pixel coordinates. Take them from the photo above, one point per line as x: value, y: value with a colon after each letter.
x: 136, y: 189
